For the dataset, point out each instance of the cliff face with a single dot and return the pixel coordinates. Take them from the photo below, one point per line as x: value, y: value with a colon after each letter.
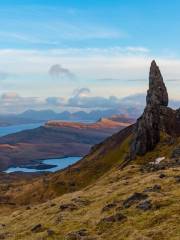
x: 157, y: 116
x: 157, y: 93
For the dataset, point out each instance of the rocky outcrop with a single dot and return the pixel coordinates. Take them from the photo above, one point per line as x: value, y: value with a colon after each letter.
x: 157, y: 116
x: 157, y: 93
x: 170, y: 121
x: 147, y: 132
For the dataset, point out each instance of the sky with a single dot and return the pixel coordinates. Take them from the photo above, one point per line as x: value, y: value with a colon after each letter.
x: 54, y: 51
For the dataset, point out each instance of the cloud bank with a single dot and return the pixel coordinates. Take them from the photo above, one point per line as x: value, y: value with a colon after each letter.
x: 81, y: 99
x: 88, y: 66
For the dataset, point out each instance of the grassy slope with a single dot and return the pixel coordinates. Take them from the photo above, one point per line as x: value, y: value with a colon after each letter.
x: 160, y: 223
x: 114, y: 186
x: 101, y: 159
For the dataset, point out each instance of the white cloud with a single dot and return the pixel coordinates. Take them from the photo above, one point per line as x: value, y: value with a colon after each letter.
x: 56, y: 71
x: 12, y: 102
x: 87, y: 64
x: 10, y: 96
x: 81, y: 98
x: 81, y: 92
x: 55, y: 101
x: 94, y: 102
x: 82, y: 60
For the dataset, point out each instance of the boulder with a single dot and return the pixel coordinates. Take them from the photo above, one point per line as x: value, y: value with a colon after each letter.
x: 78, y: 235
x: 37, y: 228
x: 109, y: 206
x: 146, y: 205
x: 136, y: 197
x: 162, y: 175
x: 155, y: 188
x: 177, y: 178
x: 118, y: 217
x: 68, y: 207
x: 176, y: 152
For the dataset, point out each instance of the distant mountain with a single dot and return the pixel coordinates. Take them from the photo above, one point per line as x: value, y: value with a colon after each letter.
x: 40, y: 115
x: 33, y: 116
x: 122, y: 118
x: 80, y: 116
x: 132, y: 106
x: 46, y: 115
x: 8, y: 120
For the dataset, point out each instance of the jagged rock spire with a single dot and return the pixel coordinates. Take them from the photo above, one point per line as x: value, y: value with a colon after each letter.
x: 147, y: 132
x: 157, y: 93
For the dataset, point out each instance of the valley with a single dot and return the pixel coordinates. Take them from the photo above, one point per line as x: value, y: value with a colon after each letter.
x: 55, y: 139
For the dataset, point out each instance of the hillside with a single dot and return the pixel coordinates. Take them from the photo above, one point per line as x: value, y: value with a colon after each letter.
x: 118, y: 191
x: 101, y: 159
x: 54, y: 140
x: 139, y: 202
x: 104, y: 123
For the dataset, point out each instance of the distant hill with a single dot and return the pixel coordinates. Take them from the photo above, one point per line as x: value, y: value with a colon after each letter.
x: 55, y: 139
x: 8, y: 120
x: 131, y: 106
x: 46, y: 115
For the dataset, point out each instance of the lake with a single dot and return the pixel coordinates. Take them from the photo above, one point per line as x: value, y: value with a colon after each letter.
x: 17, y: 128
x: 50, y: 165
x: 54, y: 165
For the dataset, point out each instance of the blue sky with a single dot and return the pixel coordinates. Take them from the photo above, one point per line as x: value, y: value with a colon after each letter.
x: 52, y: 48
x: 49, y: 24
